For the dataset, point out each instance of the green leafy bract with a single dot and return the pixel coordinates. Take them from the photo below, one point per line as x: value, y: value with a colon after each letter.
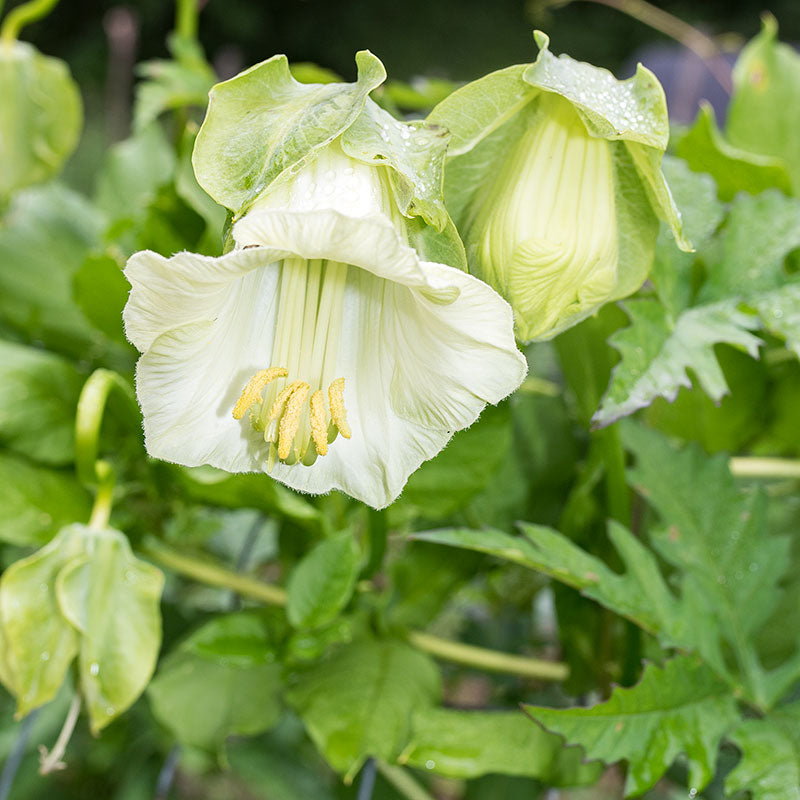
x: 263, y: 122
x: 682, y: 708
x: 86, y: 595
x: 358, y: 701
x: 40, y: 116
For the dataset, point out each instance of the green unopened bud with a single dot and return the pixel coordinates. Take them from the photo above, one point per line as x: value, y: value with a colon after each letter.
x: 40, y: 116
x: 547, y: 231
x: 557, y: 189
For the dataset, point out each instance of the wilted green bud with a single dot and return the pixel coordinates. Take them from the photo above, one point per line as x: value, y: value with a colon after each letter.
x: 554, y: 182
x: 40, y: 116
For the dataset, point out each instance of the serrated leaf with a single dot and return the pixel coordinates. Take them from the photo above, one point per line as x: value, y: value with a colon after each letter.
x: 718, y: 540
x: 322, y: 583
x: 759, y: 233
x: 467, y: 744
x: 38, y: 396
x: 112, y: 599
x: 682, y: 708
x: 770, y: 764
x: 657, y: 351
x: 734, y: 169
x: 358, y: 701
x: 231, y: 663
x: 35, y: 502
x: 766, y: 82
x: 263, y: 122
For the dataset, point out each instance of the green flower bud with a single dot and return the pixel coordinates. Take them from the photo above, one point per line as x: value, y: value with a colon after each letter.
x: 556, y: 186
x: 40, y: 116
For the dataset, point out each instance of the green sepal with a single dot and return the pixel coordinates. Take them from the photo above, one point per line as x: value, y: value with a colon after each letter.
x: 40, y: 116
x: 263, y: 122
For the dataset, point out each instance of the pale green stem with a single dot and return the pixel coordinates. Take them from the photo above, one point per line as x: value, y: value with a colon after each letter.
x: 491, y: 660
x: 478, y: 657
x: 23, y: 15
x: 89, y: 419
x: 213, y: 575
x: 690, y: 37
x: 540, y: 386
x: 403, y: 781
x: 52, y: 761
x: 744, y: 467
x: 186, y: 19
x: 104, y: 497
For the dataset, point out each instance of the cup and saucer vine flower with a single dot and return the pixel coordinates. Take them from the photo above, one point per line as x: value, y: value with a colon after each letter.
x: 554, y: 181
x: 340, y: 343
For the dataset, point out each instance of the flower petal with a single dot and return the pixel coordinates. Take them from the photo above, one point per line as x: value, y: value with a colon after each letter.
x: 170, y: 292
x: 189, y: 379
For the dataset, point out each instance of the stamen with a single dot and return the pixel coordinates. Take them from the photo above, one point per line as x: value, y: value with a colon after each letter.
x: 252, y: 392
x: 338, y: 411
x: 319, y: 422
x: 290, y: 421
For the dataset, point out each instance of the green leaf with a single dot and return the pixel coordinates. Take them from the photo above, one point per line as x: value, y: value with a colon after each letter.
x: 101, y: 291
x: 112, y: 599
x: 682, y: 708
x: 47, y: 235
x: 36, y: 502
x: 38, y: 397
x: 222, y: 681
x: 770, y: 765
x: 169, y: 85
x: 263, y: 122
x: 38, y: 643
x: 131, y: 175
x: 467, y: 744
x: 734, y: 170
x: 760, y: 232
x: 358, y: 701
x: 764, y: 112
x: 216, y: 487
x: 443, y: 485
x: 657, y: 350
x: 322, y: 583
x: 40, y: 117
x: 730, y: 565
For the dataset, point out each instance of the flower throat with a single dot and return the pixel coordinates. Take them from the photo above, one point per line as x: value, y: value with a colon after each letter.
x: 301, y: 410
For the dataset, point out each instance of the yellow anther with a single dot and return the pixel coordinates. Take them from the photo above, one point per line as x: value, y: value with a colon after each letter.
x: 252, y: 392
x: 280, y: 401
x: 290, y: 420
x: 319, y: 422
x: 338, y: 411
